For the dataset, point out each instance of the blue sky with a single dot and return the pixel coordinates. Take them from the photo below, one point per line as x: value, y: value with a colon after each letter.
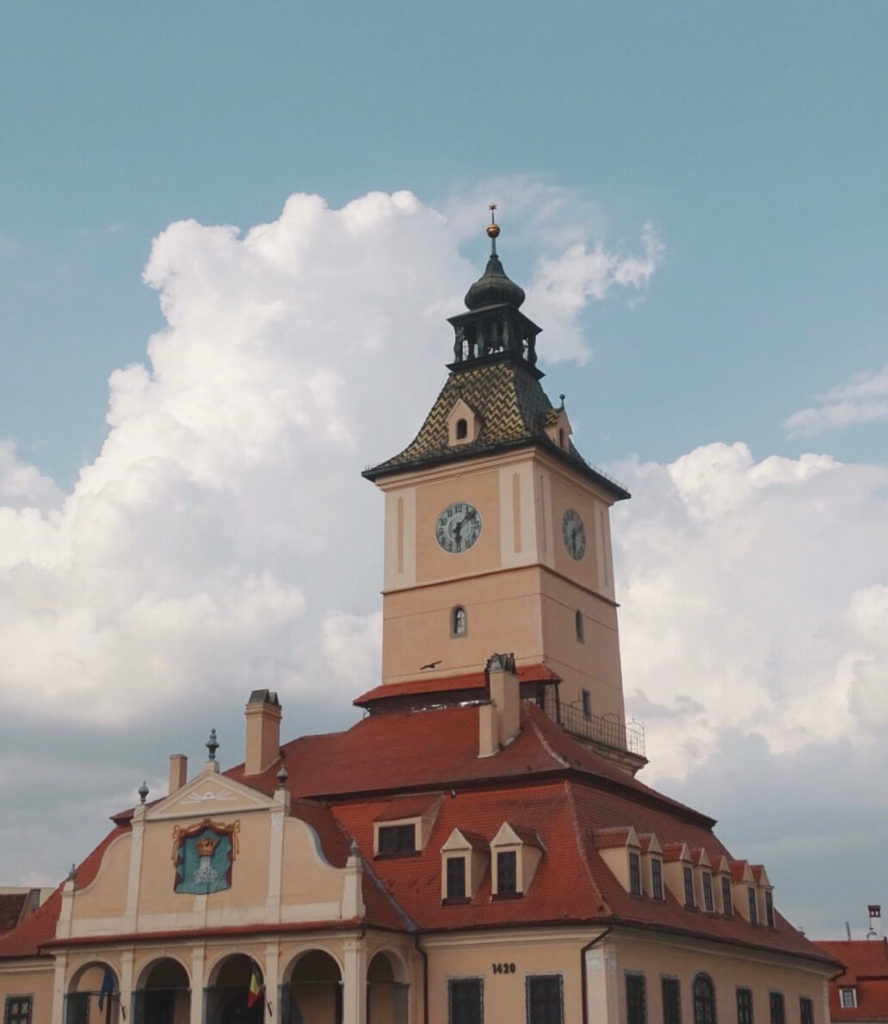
x: 748, y: 140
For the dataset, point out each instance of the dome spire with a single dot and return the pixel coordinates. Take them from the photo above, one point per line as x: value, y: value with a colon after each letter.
x: 494, y: 287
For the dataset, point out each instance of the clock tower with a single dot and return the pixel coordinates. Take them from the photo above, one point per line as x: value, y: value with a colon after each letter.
x: 497, y: 533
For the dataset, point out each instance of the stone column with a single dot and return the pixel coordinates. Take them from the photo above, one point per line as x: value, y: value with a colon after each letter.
x: 127, y: 963
x: 272, y: 977
x: 354, y: 983
x: 198, y: 984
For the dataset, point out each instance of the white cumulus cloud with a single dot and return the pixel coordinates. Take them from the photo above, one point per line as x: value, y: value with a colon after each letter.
x: 863, y: 399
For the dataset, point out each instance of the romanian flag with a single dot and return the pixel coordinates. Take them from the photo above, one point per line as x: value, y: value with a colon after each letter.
x: 256, y: 989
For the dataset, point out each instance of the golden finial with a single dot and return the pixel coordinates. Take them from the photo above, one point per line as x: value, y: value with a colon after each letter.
x: 493, y: 228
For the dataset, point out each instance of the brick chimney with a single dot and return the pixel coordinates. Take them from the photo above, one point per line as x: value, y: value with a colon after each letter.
x: 500, y: 720
x: 263, y: 714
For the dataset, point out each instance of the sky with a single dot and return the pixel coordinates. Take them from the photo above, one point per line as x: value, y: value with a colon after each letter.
x: 230, y: 236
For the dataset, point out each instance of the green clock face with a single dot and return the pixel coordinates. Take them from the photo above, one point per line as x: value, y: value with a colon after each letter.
x: 458, y: 527
x: 574, y: 534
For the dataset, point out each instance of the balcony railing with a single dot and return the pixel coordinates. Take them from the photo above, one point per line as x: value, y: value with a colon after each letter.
x: 606, y: 730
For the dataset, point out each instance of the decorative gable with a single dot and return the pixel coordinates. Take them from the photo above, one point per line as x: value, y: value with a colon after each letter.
x: 465, y: 858
x: 516, y: 853
x: 210, y: 794
x: 463, y: 424
x: 620, y: 849
x: 558, y: 427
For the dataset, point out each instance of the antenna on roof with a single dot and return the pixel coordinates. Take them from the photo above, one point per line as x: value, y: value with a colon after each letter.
x: 848, y: 930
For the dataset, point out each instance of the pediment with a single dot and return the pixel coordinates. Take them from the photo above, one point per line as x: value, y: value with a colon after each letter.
x: 210, y: 794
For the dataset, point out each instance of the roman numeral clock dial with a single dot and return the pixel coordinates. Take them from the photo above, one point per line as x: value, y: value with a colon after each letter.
x: 458, y: 527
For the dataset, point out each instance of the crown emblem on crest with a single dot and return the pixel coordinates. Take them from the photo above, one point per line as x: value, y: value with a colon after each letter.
x: 206, y: 846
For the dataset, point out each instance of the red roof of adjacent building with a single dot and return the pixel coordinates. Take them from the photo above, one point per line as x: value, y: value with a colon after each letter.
x: 866, y: 971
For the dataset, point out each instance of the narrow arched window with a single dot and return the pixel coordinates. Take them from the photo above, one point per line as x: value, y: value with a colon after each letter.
x: 578, y: 625
x: 704, y: 1000
x: 462, y: 430
x: 459, y: 621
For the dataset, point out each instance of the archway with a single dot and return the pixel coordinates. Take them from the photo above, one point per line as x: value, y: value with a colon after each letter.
x: 386, y: 991
x: 93, y: 995
x: 228, y: 997
x: 163, y: 995
x: 312, y: 990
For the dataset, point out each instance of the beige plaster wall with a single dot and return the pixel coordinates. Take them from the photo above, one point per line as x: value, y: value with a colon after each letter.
x: 32, y: 978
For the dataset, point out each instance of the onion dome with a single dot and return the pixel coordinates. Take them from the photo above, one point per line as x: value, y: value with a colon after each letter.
x: 494, y: 287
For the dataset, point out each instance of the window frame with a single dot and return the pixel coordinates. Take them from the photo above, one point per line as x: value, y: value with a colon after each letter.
x: 400, y: 848
x: 777, y: 1007
x: 18, y: 1009
x: 579, y: 626
x: 461, y: 896
x: 704, y: 1003
x: 509, y: 857
x: 708, y: 899
x: 851, y: 991
x: 769, y: 908
x: 636, y: 997
x: 657, y: 878
x: 459, y: 622
x: 806, y: 1010
x: 688, y: 875
x: 727, y: 897
x: 745, y: 1013
x: 452, y: 983
x: 670, y: 997
x: 532, y: 1012
x: 752, y: 904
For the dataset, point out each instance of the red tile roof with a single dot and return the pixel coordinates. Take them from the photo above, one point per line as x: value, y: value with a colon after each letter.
x: 866, y: 971
x: 446, y: 684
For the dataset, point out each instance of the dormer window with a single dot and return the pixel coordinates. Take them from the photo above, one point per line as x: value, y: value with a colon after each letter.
x: 689, y: 887
x: 506, y: 873
x: 848, y: 998
x: 396, y: 839
x: 634, y: 874
x: 769, y: 908
x: 456, y: 879
x: 753, y: 905
x: 656, y: 878
x: 463, y: 424
x: 459, y: 621
x: 708, y: 903
x: 727, y: 898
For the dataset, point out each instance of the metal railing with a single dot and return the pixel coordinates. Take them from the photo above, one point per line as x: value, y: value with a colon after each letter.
x: 604, y: 729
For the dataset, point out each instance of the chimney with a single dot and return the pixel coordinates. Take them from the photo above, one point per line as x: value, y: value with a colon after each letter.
x: 178, y: 771
x: 500, y: 720
x: 263, y: 714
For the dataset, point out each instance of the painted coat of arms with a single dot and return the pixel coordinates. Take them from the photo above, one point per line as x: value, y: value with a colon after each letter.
x: 204, y: 855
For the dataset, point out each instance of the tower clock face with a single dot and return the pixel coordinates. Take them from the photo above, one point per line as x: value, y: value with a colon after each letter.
x: 574, y: 534
x: 458, y: 527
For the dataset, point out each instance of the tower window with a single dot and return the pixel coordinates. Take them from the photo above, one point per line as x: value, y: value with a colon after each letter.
x: 587, y: 704
x: 462, y: 430
x: 459, y: 621
x: 578, y: 625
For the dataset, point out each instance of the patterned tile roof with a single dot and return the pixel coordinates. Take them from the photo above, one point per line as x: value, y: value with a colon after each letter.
x: 514, y: 412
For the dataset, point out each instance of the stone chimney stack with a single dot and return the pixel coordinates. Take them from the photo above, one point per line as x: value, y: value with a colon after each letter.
x: 178, y: 771
x: 263, y: 714
x: 500, y: 720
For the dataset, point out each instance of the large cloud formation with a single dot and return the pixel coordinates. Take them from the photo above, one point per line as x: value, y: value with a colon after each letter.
x: 222, y: 539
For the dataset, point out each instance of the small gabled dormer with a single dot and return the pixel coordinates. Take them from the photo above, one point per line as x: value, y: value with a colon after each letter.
x: 403, y: 834
x: 765, y: 893
x: 704, y: 892
x: 463, y: 424
x: 465, y: 858
x: 620, y: 849
x: 652, y: 866
x: 515, y: 856
x: 558, y: 427
x: 743, y: 888
x: 678, y: 871
x: 721, y: 881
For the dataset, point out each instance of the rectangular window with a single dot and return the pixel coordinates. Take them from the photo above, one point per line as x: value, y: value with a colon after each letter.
x: 545, y: 1001
x: 587, y: 704
x: 806, y: 1010
x: 769, y: 908
x: 744, y: 1006
x: 753, y: 906
x: 657, y: 877
x: 727, y: 898
x: 848, y: 998
x: 77, y: 1008
x: 18, y: 1010
x: 634, y: 874
x: 707, y: 892
x: 506, y: 872
x: 397, y: 839
x: 689, y: 887
x: 671, y: 1001
x: 456, y: 878
x: 636, y: 999
x: 778, y: 1010
x: 465, y: 1001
